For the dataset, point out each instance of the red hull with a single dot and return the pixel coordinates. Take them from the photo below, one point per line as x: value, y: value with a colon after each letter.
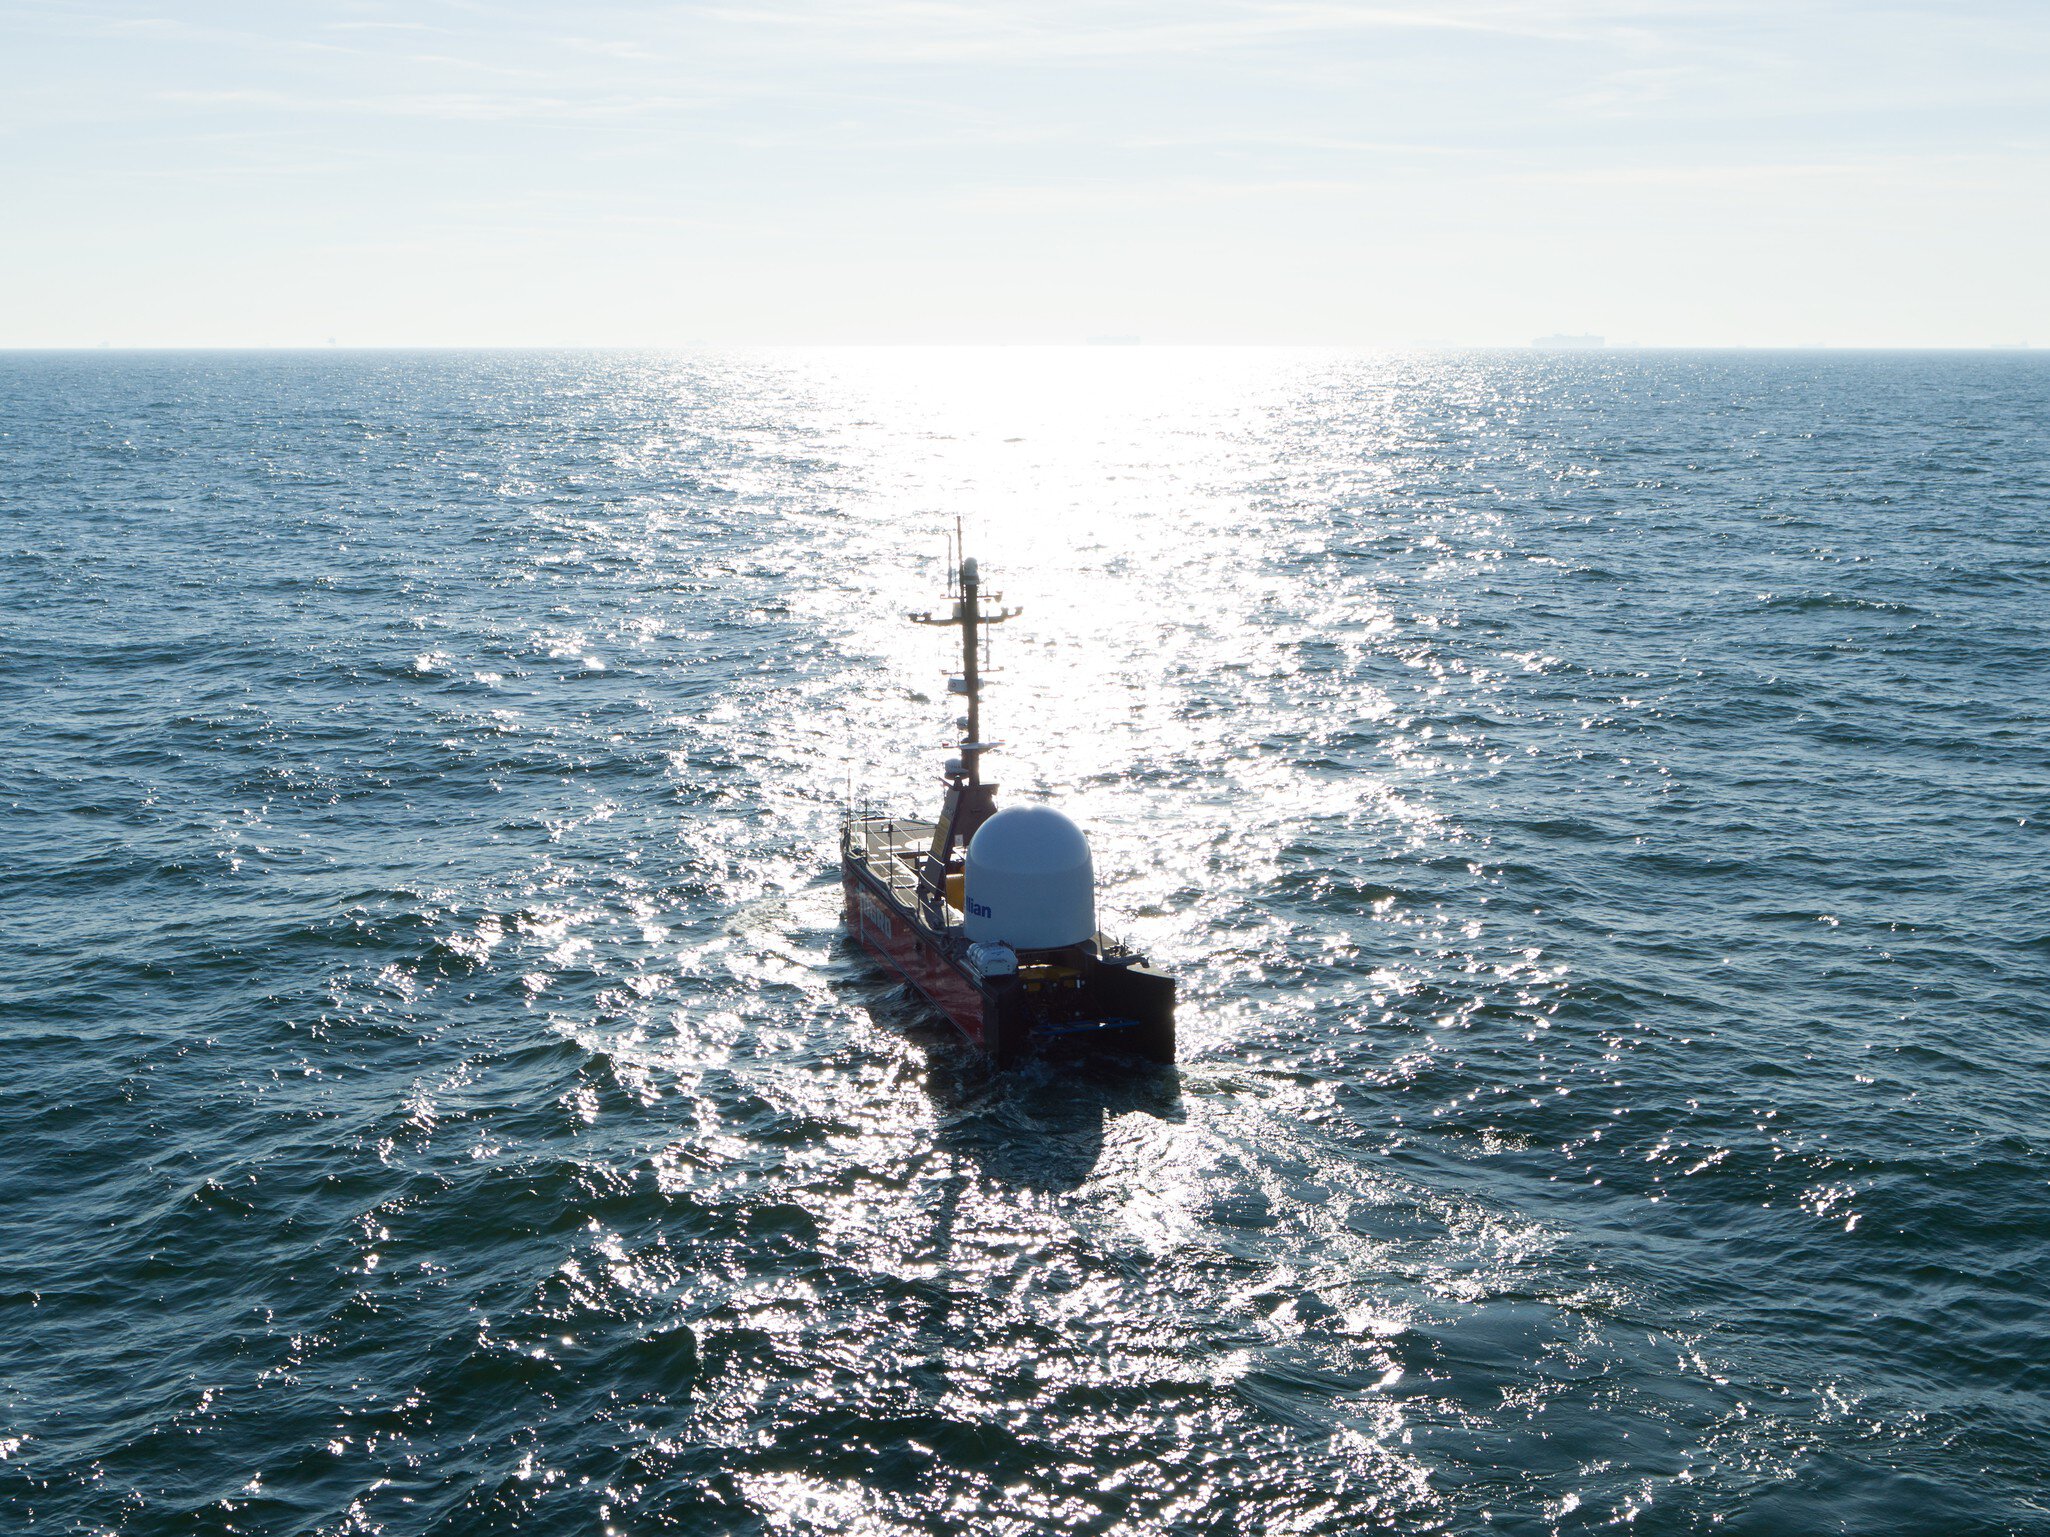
x: 892, y: 938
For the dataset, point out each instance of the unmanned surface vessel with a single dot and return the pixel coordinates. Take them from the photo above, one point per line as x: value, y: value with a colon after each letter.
x: 991, y: 915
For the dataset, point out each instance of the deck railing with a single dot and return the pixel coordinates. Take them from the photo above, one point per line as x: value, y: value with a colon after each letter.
x: 884, y: 841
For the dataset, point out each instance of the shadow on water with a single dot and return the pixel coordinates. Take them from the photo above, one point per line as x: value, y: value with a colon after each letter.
x: 1035, y: 1127
x: 1003, y: 1180
x: 1040, y: 1127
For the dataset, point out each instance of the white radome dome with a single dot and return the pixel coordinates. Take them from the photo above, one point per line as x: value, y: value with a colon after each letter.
x: 1030, y: 882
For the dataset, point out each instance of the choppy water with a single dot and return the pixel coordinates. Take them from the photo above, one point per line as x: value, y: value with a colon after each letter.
x: 1596, y: 805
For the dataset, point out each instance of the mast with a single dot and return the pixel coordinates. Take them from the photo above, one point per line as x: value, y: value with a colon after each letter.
x: 970, y: 802
x: 970, y: 608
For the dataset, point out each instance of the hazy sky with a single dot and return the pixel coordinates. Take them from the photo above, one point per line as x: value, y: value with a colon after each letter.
x: 1181, y: 170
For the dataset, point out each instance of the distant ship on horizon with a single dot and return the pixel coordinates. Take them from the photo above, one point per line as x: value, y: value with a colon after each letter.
x: 1561, y: 339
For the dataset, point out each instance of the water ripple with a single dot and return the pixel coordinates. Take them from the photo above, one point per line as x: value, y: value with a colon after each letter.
x: 1594, y: 803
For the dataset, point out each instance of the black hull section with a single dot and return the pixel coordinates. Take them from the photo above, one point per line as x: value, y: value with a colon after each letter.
x: 1123, y: 1008
x: 1146, y: 997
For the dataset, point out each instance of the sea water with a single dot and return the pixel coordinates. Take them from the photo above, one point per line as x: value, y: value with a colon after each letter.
x: 1595, y: 805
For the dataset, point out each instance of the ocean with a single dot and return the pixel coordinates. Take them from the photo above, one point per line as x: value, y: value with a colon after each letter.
x: 1595, y: 804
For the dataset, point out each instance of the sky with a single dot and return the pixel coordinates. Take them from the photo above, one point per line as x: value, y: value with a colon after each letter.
x: 1422, y: 173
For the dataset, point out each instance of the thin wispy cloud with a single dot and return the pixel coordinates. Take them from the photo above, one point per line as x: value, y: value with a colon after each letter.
x: 1471, y: 170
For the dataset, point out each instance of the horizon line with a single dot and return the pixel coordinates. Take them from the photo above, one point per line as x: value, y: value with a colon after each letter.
x: 1119, y: 344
